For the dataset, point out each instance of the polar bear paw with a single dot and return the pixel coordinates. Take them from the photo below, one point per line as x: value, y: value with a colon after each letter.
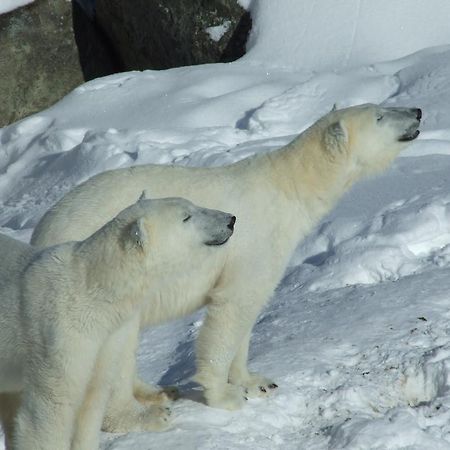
x: 229, y: 397
x: 156, y: 418
x: 147, y: 393
x: 138, y: 417
x: 255, y: 385
x: 160, y: 397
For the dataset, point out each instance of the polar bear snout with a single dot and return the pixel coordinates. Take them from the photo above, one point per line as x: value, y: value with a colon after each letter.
x: 412, y: 130
x: 220, y: 228
x: 407, y: 120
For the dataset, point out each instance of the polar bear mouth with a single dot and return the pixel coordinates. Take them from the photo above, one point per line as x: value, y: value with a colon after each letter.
x: 412, y: 131
x: 409, y: 136
x: 217, y: 242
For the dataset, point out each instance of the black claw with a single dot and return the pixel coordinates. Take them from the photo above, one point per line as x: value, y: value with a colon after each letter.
x: 261, y: 388
x: 246, y: 398
x: 273, y: 386
x: 246, y: 390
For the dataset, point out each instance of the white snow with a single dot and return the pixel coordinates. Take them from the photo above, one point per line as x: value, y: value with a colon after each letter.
x: 9, y: 5
x: 216, y: 32
x: 330, y: 34
x: 357, y: 334
x: 245, y: 3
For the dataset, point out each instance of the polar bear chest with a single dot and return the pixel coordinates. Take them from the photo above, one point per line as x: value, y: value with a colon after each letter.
x: 179, y: 296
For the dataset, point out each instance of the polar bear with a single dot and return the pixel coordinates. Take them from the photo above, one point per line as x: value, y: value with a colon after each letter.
x: 63, y: 309
x: 279, y: 197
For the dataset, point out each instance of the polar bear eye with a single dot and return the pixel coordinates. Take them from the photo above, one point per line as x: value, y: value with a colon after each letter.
x: 186, y: 218
x: 379, y: 117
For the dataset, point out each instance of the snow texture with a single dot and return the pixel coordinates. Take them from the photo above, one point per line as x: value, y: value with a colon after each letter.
x: 216, y: 32
x: 357, y: 334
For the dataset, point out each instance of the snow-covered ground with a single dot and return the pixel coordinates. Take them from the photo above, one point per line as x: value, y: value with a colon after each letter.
x: 357, y: 335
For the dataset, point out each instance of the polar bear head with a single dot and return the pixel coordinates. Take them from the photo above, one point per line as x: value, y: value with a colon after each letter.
x: 369, y: 136
x: 172, y: 234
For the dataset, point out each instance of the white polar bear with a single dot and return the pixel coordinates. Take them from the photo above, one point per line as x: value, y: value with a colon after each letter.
x: 64, y: 309
x: 278, y: 198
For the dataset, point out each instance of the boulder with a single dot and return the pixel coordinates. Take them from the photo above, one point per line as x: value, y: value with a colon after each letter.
x: 160, y: 34
x: 39, y: 61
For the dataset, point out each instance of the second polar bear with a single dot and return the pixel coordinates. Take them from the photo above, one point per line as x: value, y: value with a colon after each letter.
x: 279, y: 197
x: 64, y: 310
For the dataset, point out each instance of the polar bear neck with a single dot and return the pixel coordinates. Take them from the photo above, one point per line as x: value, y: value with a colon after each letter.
x: 309, y: 177
x: 127, y: 277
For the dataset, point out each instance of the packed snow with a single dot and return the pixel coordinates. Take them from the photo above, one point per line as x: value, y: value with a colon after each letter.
x: 357, y: 334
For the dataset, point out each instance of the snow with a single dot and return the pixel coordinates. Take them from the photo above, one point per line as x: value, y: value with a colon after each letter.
x: 216, y: 32
x: 329, y: 35
x: 245, y: 3
x: 357, y: 334
x: 9, y: 5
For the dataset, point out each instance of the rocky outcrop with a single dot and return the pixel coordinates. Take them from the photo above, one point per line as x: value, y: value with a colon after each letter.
x: 40, y: 61
x: 38, y: 58
x: 159, y: 34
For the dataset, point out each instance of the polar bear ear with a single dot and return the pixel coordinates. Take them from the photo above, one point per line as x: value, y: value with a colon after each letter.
x: 335, y: 137
x: 138, y: 234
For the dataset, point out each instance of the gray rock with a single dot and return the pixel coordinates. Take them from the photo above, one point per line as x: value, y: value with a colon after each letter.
x: 39, y: 61
x: 159, y: 34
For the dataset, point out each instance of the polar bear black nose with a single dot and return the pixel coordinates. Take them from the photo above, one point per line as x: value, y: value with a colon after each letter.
x: 232, y: 222
x: 418, y: 113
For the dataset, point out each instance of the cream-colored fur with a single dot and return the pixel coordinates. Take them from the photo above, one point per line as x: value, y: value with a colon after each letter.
x: 67, y: 310
x: 277, y: 198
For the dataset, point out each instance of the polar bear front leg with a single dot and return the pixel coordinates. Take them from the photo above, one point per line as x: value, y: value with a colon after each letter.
x: 55, y: 383
x: 225, y: 325
x: 124, y: 412
x: 92, y: 411
x: 255, y: 385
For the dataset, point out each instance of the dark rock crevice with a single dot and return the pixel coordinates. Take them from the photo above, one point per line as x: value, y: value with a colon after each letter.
x: 156, y: 34
x: 96, y: 52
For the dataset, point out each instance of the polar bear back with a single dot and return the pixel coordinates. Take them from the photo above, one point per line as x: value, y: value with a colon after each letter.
x: 96, y: 201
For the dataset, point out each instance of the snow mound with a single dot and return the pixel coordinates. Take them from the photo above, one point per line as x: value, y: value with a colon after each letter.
x: 402, y: 239
x: 330, y: 35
